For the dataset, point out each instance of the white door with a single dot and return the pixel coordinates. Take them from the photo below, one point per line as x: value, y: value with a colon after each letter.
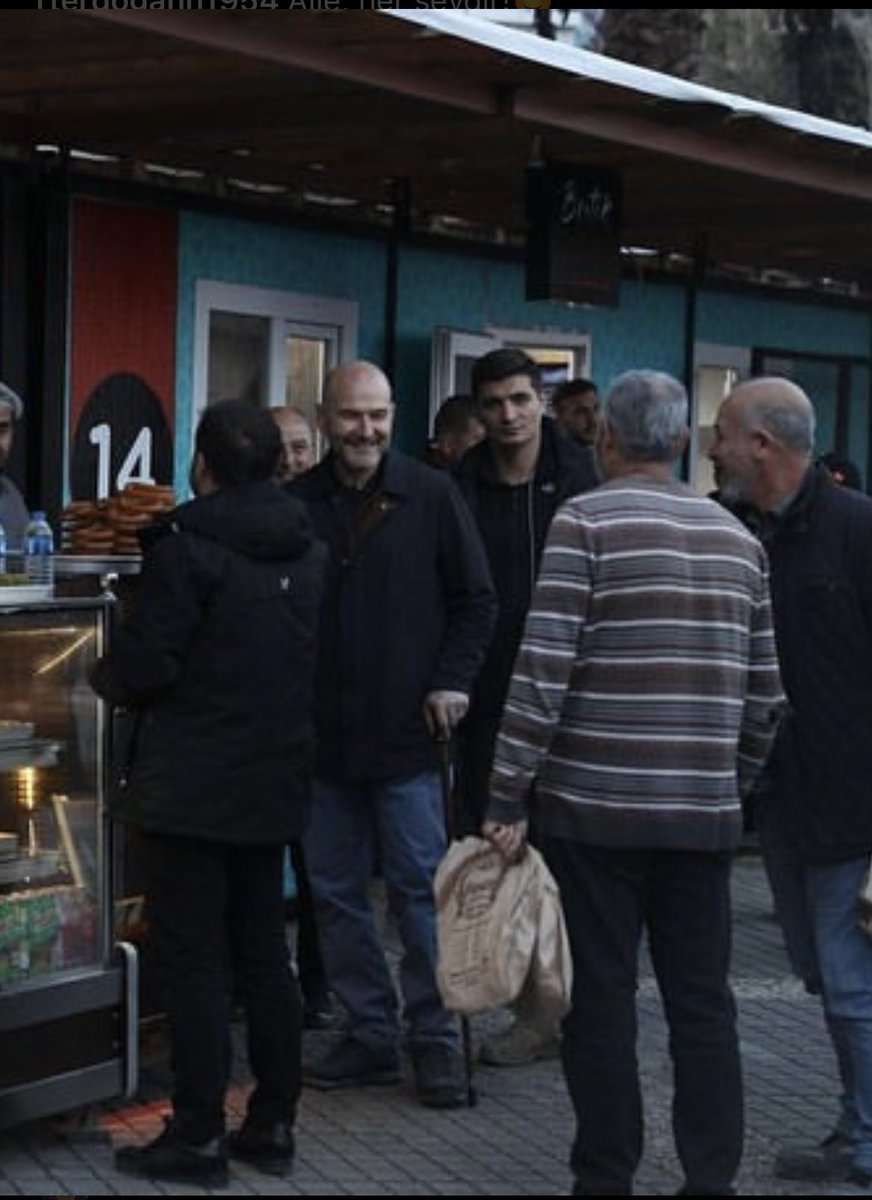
x: 272, y: 348
x: 717, y: 370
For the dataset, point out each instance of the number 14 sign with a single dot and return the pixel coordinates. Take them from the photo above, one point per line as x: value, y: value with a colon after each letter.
x: 121, y: 436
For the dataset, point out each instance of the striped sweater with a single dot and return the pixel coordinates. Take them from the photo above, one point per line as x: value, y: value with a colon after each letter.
x: 646, y: 692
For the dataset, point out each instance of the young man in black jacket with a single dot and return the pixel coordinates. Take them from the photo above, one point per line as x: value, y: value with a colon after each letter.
x: 408, y: 613
x: 216, y: 661
x: 514, y: 481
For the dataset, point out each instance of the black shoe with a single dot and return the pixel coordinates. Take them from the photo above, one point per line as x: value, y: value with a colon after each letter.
x: 690, y: 1190
x: 318, y: 1012
x: 352, y: 1064
x: 861, y: 1180
x: 440, y: 1079
x: 270, y: 1148
x: 169, y: 1158
x: 829, y: 1162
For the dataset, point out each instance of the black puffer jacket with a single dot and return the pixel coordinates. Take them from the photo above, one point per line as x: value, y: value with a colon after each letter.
x: 513, y: 521
x: 818, y: 786
x: 217, y: 660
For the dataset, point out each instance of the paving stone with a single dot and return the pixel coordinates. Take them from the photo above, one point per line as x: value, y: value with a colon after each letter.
x: 516, y: 1140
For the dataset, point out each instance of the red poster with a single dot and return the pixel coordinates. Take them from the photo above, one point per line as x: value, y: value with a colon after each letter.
x: 123, y: 343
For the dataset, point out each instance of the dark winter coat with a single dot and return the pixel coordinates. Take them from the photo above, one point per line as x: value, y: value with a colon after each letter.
x: 216, y: 660
x: 513, y: 520
x: 408, y: 609
x: 820, y: 775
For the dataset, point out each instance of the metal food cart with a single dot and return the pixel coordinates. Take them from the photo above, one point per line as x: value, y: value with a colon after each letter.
x: 68, y: 988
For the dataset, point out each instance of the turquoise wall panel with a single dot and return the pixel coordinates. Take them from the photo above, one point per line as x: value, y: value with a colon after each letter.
x: 745, y: 320
x: 271, y: 256
x: 805, y: 330
x: 443, y: 288
x: 858, y: 420
x: 439, y: 288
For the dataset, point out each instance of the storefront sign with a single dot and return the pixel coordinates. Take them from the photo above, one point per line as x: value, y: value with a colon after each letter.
x: 573, y: 238
x: 122, y: 436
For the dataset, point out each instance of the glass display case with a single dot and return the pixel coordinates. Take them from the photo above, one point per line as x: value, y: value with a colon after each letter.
x: 67, y: 992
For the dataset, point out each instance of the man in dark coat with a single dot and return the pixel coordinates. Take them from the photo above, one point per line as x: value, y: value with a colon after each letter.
x: 408, y: 612
x: 216, y: 662
x: 514, y: 481
x: 813, y: 808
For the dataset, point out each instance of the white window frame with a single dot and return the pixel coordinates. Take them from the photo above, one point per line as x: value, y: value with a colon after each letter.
x: 288, y: 312
x: 451, y: 344
x: 581, y: 344
x: 717, y: 355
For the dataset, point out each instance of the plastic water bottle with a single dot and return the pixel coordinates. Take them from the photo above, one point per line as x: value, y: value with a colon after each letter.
x: 2, y: 550
x: 39, y: 551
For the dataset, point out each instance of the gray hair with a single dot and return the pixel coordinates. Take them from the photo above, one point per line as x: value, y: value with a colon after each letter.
x: 647, y: 414
x: 7, y: 396
x: 794, y: 427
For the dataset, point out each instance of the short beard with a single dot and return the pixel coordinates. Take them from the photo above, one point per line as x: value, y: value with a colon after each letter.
x: 735, y: 489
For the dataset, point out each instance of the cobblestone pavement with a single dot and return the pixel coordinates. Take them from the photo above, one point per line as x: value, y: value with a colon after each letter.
x: 380, y: 1142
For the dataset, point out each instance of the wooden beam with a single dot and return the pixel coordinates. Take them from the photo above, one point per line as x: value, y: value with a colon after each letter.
x: 550, y: 105
x: 446, y: 88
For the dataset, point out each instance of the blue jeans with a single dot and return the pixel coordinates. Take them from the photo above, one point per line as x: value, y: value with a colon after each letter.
x: 816, y: 906
x: 404, y: 818
x: 609, y: 896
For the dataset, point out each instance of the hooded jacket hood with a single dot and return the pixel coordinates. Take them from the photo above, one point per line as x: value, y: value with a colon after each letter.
x: 258, y: 520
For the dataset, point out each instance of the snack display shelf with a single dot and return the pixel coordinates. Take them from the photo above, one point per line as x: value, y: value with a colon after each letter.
x: 24, y: 593
x: 105, y: 564
x: 68, y: 987
x: 29, y: 869
x: 38, y: 752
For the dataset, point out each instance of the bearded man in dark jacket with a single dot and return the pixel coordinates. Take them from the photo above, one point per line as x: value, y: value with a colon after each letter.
x: 813, y: 806
x: 513, y: 481
x: 216, y: 663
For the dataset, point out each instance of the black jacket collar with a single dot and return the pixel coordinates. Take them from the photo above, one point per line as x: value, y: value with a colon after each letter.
x: 321, y: 481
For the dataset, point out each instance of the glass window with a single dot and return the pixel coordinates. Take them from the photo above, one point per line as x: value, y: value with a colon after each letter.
x: 717, y: 370
x: 238, y: 357
x: 272, y: 348
x: 712, y: 385
x: 52, y: 877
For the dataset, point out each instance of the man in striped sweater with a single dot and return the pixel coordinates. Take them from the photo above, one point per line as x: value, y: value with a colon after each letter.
x: 644, y: 700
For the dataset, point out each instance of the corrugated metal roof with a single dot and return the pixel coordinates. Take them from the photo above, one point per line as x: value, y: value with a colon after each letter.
x: 324, y: 110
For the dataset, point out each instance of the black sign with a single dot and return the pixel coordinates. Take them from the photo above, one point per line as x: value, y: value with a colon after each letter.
x: 122, y: 435
x: 574, y: 234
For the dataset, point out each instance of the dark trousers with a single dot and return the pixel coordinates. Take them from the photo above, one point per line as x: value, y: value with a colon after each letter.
x: 310, y: 964
x: 682, y: 898
x: 475, y: 747
x: 216, y: 917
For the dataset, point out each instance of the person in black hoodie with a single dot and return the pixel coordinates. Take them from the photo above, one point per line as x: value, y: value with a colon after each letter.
x: 216, y: 664
x: 513, y: 481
